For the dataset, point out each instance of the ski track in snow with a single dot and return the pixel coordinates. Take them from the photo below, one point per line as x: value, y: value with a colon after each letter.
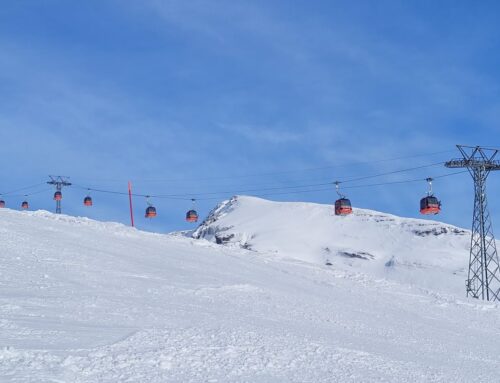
x: 85, y: 301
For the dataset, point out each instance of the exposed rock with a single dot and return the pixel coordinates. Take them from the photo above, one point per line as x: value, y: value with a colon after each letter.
x: 359, y: 254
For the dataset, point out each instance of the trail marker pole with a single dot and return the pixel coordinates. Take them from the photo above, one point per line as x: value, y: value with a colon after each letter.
x: 130, y: 203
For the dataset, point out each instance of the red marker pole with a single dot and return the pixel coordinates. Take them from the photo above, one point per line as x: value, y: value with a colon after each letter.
x: 130, y: 203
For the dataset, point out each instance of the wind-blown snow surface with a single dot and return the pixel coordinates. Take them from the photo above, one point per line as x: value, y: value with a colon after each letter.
x: 84, y: 301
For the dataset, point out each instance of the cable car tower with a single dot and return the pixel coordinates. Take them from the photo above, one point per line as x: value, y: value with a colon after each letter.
x: 484, y: 268
x: 58, y: 182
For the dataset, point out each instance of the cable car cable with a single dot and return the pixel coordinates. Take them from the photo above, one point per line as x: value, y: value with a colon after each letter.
x: 392, y: 172
x: 125, y: 193
x: 283, y: 171
x: 30, y: 194
x: 297, y: 186
x: 23, y: 188
x: 189, y: 196
x: 363, y: 186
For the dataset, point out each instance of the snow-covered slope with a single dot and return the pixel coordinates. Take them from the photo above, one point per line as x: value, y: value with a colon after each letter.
x: 85, y: 301
x: 424, y: 252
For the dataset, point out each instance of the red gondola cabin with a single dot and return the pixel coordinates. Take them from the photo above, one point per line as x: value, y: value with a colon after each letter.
x: 192, y: 216
x: 430, y: 205
x: 25, y: 205
x: 87, y: 201
x: 343, y: 206
x: 2, y: 203
x: 57, y: 196
x: 150, y: 212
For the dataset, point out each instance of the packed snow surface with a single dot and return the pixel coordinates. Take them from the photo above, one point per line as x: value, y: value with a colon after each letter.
x: 86, y: 301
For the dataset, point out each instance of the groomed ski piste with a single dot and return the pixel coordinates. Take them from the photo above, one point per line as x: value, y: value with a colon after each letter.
x: 88, y: 301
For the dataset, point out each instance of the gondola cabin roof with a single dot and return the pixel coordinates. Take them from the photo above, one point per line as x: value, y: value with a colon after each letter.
x: 343, y: 202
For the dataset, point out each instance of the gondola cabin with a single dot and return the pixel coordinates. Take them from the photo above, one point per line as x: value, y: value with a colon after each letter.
x: 2, y: 203
x: 87, y: 201
x: 150, y: 212
x: 430, y: 205
x: 343, y: 206
x: 25, y: 205
x: 192, y: 216
x: 57, y: 196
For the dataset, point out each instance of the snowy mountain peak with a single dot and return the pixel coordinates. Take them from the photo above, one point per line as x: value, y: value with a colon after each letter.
x: 311, y: 232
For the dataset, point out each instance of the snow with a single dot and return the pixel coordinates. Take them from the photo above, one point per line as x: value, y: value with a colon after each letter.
x: 87, y: 301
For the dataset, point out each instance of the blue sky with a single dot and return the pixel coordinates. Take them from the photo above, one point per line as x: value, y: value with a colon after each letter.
x: 206, y: 96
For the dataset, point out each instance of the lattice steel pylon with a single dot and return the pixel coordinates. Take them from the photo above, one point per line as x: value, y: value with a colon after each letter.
x: 484, y: 268
x: 59, y: 182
